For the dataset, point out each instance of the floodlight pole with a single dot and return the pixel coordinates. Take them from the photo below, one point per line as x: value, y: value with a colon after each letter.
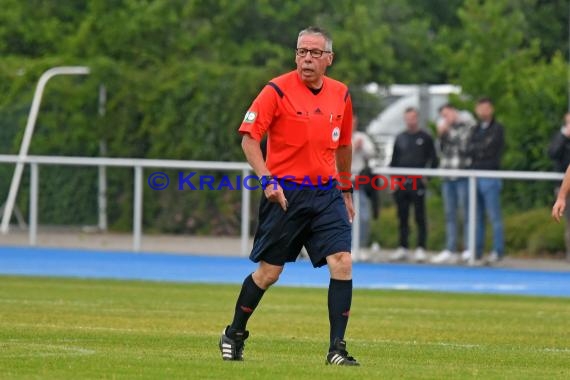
x: 32, y: 117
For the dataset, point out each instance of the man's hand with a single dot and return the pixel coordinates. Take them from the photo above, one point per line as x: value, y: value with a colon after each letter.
x: 566, y: 130
x: 558, y: 209
x: 274, y: 193
x: 442, y: 127
x: 349, y: 206
x: 358, y: 143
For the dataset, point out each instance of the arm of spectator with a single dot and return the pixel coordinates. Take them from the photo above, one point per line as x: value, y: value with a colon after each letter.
x: 368, y: 147
x: 395, y: 161
x: 442, y: 127
x: 560, y: 205
x: 433, y: 159
x: 343, y: 164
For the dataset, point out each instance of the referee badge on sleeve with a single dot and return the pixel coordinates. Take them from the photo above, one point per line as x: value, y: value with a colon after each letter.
x: 335, y: 134
x: 249, y: 117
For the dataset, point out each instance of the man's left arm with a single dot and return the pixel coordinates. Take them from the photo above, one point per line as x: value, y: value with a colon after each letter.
x: 433, y: 159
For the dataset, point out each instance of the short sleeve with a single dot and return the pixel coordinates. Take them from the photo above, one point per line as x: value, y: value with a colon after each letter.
x: 260, y: 114
x: 346, y: 129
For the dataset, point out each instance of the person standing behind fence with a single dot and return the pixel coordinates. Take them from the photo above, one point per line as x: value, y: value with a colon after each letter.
x: 362, y: 151
x: 559, y: 152
x: 454, y: 131
x: 486, y: 149
x: 413, y: 148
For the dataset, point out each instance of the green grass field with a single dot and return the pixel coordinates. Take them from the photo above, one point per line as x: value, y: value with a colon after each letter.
x: 77, y: 329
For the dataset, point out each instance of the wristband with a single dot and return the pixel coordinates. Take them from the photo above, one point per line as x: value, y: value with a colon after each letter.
x: 348, y: 190
x: 265, y: 180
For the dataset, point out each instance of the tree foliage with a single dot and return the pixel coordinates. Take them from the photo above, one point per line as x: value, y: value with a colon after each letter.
x: 180, y: 74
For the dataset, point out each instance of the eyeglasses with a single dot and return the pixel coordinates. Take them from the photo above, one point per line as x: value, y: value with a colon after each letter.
x: 315, y: 53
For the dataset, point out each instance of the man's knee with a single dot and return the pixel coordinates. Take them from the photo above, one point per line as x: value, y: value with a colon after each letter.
x: 266, y: 275
x: 340, y: 265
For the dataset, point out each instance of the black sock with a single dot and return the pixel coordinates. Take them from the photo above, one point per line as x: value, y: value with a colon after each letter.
x: 247, y: 301
x: 340, y: 298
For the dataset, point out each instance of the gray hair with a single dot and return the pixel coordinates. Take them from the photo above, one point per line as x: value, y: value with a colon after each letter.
x: 315, y: 30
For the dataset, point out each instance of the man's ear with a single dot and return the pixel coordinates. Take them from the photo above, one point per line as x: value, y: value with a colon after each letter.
x: 330, y: 59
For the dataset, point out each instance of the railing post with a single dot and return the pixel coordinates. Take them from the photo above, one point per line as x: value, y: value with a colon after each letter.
x: 34, y: 180
x: 245, y: 207
x: 472, y: 196
x: 137, y: 209
x: 102, y: 197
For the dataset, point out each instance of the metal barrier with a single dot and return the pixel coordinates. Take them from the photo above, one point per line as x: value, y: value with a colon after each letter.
x: 139, y: 164
x: 472, y: 176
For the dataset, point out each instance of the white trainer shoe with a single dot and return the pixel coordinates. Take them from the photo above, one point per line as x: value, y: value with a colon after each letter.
x: 493, y: 258
x: 466, y: 255
x: 445, y: 256
x: 420, y: 255
x: 375, y: 247
x: 400, y: 254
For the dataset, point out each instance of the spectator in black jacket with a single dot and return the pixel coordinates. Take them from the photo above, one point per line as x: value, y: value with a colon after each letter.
x: 486, y: 149
x: 413, y: 148
x: 559, y: 152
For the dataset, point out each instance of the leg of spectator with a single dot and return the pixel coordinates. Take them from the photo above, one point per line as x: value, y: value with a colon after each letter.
x: 365, y: 215
x: 493, y: 208
x: 449, y: 194
x: 420, y: 216
x: 403, y: 204
x: 480, y: 218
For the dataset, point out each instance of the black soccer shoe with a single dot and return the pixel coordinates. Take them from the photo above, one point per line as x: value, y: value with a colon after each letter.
x: 232, y: 346
x: 339, y: 355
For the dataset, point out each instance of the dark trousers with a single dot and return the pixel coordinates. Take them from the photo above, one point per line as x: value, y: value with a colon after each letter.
x: 405, y: 198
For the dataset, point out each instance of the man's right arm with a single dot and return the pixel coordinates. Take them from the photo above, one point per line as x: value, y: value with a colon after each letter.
x: 395, y: 161
x: 252, y: 150
x: 560, y: 205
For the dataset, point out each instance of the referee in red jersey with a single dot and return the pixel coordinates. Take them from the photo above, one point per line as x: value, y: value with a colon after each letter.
x: 307, y: 117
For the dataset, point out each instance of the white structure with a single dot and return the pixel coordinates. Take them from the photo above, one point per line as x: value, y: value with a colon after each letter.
x: 386, y: 126
x: 24, y: 147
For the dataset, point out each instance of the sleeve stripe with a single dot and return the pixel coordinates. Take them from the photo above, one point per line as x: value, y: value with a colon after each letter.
x: 276, y: 88
x: 346, y: 95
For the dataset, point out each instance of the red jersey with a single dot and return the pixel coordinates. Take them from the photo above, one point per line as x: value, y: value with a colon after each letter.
x: 303, y: 129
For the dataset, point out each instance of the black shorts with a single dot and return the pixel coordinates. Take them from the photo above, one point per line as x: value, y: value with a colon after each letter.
x: 315, y: 218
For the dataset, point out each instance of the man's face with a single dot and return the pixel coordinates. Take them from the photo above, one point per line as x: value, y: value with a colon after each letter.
x: 411, y: 119
x: 484, y: 111
x: 312, y: 69
x: 449, y: 114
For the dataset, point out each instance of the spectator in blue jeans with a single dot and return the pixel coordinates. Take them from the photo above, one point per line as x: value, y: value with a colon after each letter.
x: 454, y: 131
x: 486, y: 148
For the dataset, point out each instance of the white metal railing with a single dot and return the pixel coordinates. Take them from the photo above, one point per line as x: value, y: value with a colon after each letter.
x: 138, y: 164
